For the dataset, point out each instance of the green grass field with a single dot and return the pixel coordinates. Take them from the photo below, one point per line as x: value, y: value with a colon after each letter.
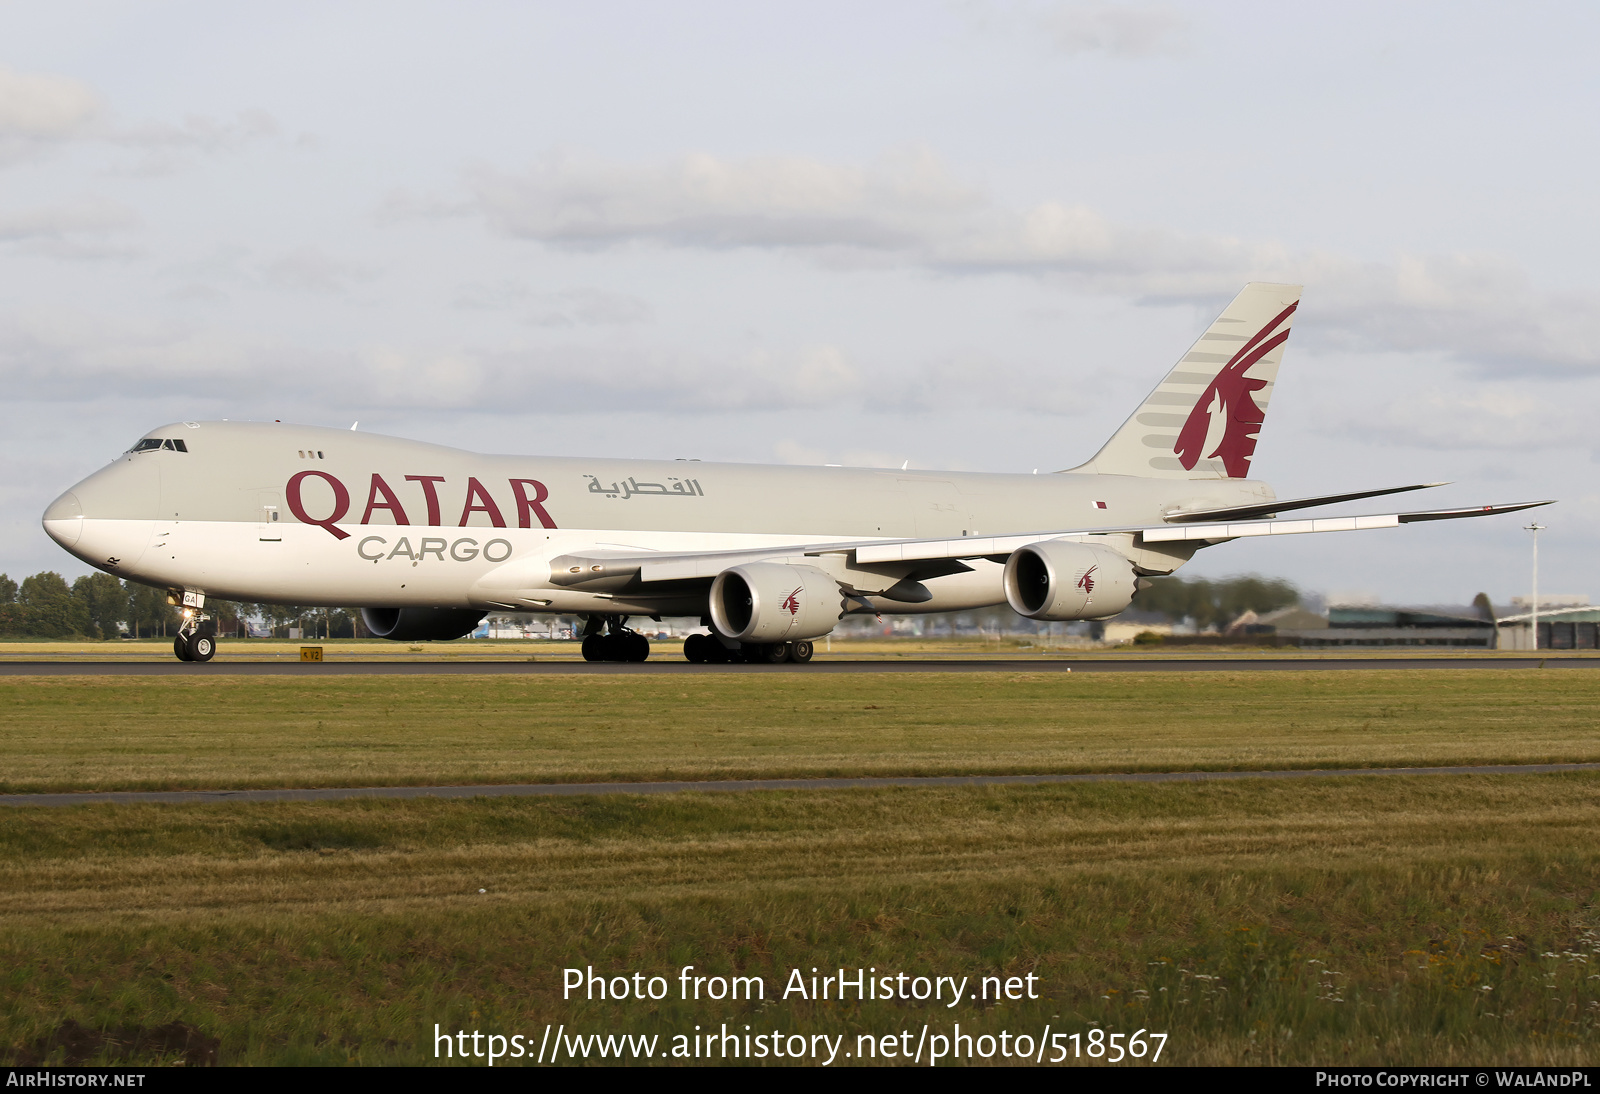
x: 67, y: 733
x: 1348, y: 920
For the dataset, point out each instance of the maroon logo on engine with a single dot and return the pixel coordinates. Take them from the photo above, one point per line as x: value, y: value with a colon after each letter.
x: 1231, y: 396
x: 791, y: 603
x: 1086, y: 582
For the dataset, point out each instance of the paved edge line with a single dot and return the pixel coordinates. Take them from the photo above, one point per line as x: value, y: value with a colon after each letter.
x: 548, y: 790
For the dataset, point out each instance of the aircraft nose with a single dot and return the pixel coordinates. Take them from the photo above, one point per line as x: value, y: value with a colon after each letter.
x: 107, y: 519
x: 63, y: 521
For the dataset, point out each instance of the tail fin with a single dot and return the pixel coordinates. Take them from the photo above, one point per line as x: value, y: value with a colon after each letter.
x: 1201, y: 422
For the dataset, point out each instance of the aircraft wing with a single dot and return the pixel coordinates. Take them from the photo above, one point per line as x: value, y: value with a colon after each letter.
x: 909, y: 550
x: 674, y: 566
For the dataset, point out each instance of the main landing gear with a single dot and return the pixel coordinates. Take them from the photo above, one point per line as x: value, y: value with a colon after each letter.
x: 607, y: 638
x: 196, y: 640
x: 706, y: 649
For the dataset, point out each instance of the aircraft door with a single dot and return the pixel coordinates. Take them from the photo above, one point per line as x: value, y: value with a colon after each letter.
x: 269, y: 511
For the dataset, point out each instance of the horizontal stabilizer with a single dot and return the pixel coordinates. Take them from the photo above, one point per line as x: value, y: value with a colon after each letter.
x: 1265, y: 509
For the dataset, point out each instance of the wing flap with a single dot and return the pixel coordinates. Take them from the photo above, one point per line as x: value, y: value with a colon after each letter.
x: 1244, y: 529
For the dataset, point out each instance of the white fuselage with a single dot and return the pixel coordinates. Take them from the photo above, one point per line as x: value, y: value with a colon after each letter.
x: 311, y: 516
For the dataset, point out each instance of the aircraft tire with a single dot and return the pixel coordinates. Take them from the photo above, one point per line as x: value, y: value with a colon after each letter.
x: 180, y: 649
x: 800, y: 652
x: 775, y: 654
x: 694, y: 649
x: 637, y: 646
x: 202, y: 648
x: 594, y: 648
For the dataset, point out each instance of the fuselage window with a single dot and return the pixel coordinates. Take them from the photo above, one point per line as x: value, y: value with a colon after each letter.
x: 302, y: 453
x: 319, y: 455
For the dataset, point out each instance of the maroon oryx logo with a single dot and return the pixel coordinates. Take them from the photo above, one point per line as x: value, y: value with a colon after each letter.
x: 1086, y: 582
x: 791, y: 603
x: 1230, y: 397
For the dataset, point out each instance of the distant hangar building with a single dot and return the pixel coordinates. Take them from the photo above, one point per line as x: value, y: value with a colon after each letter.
x: 1378, y: 626
x: 1565, y: 623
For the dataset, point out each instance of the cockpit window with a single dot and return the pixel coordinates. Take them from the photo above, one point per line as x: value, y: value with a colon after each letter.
x: 151, y: 444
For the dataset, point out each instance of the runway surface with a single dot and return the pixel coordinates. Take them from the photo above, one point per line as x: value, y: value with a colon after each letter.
x: 550, y: 790
x: 650, y: 668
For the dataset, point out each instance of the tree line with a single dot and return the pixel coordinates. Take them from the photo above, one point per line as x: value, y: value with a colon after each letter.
x: 1212, y: 605
x: 98, y: 606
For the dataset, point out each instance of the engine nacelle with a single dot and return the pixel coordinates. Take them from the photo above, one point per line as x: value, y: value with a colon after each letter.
x: 1057, y: 579
x: 771, y: 602
x: 420, y: 624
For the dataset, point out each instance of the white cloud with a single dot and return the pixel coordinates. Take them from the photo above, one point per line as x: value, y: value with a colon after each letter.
x: 579, y: 378
x: 1495, y: 417
x: 57, y: 224
x: 162, y: 147
x: 60, y: 355
x: 1119, y: 30
x: 791, y: 451
x: 577, y: 307
x: 310, y: 270
x: 37, y: 111
x: 303, y: 270
x: 910, y: 211
x: 704, y: 202
x: 199, y: 132
x: 1478, y: 308
x: 68, y: 356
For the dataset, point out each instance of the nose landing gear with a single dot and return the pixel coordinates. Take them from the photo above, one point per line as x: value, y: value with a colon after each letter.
x: 607, y: 638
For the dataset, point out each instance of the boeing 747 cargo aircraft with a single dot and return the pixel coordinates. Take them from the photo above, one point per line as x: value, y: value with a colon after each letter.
x: 426, y: 540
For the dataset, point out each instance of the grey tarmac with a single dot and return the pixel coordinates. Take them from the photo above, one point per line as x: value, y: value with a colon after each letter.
x: 551, y: 790
x: 647, y: 668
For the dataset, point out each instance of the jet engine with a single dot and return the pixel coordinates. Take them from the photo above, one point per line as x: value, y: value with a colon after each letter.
x: 770, y: 602
x: 420, y: 624
x: 1057, y: 579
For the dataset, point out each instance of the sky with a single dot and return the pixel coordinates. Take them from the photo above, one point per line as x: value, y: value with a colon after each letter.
x: 970, y: 235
